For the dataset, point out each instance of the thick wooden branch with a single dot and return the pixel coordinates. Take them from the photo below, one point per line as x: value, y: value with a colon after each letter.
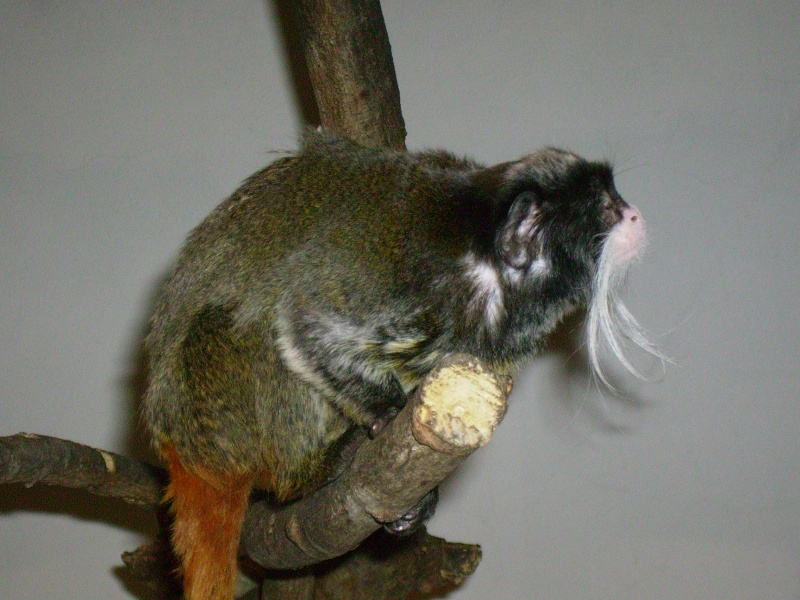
x: 420, y: 566
x: 31, y: 459
x: 350, y: 64
x: 454, y: 412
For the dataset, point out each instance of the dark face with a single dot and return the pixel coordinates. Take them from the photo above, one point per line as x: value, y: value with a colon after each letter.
x: 576, y: 211
x: 564, y: 237
x: 561, y: 209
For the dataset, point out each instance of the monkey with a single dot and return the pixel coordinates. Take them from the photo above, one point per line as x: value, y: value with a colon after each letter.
x: 312, y: 302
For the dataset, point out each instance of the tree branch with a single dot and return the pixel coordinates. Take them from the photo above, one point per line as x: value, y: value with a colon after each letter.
x: 420, y: 566
x: 350, y: 65
x: 455, y: 411
x: 30, y: 459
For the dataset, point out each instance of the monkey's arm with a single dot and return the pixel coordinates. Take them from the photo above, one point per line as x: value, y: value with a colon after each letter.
x: 343, y: 359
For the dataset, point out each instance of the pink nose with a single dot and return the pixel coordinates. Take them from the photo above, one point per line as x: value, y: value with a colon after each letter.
x: 632, y: 214
x: 627, y: 237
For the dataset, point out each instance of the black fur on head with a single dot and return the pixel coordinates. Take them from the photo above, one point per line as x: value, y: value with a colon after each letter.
x: 554, y: 213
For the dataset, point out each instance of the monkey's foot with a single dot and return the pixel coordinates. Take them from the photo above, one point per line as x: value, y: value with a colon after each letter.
x: 416, y: 517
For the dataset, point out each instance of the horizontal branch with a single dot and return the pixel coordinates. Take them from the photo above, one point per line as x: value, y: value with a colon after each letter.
x: 30, y: 459
x: 418, y: 566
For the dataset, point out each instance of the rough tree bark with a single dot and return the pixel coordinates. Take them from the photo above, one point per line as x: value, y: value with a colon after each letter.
x: 350, y: 64
x: 39, y: 459
x: 454, y: 412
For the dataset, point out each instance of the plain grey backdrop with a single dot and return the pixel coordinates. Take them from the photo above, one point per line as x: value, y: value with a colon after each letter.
x: 123, y: 123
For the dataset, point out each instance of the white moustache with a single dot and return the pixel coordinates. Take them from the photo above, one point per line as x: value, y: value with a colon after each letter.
x: 609, y: 322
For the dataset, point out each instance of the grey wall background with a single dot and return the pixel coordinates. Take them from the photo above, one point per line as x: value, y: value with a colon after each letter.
x: 122, y: 124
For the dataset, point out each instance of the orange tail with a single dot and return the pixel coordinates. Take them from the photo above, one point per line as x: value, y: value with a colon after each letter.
x: 209, y: 512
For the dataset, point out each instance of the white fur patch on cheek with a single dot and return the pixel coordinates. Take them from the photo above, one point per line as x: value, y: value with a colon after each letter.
x: 488, y: 293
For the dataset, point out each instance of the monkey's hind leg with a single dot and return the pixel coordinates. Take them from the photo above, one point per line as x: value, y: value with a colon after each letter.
x: 209, y: 512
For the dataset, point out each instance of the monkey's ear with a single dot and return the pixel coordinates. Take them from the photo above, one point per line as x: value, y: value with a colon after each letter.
x: 516, y: 240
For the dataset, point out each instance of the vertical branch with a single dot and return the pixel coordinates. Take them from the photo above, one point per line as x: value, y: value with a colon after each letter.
x: 350, y: 64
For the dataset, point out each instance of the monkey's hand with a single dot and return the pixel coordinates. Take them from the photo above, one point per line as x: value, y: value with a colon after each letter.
x: 417, y: 515
x: 380, y: 423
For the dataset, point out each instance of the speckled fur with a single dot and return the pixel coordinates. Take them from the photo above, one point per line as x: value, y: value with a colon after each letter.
x: 317, y: 296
